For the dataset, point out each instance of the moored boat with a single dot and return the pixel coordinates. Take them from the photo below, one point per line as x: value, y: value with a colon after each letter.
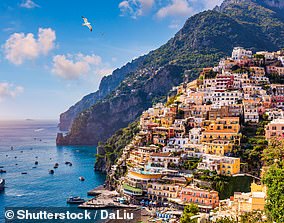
x: 2, y: 184
x: 75, y: 200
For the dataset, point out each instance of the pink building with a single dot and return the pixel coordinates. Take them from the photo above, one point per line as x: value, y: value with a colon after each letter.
x: 205, y: 199
x: 275, y: 129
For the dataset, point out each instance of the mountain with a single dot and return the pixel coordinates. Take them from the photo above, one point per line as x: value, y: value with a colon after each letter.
x: 203, y: 40
x: 107, y: 85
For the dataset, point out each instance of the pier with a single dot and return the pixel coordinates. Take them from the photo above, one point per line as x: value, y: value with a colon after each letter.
x: 104, y: 199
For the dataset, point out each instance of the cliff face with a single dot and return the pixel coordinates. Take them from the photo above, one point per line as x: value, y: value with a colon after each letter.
x: 204, y: 39
x: 107, y: 85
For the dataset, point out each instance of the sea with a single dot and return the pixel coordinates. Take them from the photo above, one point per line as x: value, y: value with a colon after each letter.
x: 22, y: 143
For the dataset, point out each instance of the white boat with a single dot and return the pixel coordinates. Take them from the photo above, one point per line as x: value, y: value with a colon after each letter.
x: 2, y: 184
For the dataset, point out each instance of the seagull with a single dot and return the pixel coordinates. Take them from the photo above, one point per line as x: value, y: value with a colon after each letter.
x: 86, y: 23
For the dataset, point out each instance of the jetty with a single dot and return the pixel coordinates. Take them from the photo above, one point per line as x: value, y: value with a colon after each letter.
x: 104, y: 198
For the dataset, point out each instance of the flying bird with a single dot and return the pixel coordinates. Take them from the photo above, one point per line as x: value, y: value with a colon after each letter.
x: 86, y: 23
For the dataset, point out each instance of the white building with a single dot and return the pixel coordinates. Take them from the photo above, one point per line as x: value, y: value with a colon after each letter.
x: 251, y: 111
x: 181, y: 142
x: 241, y: 53
x: 194, y: 135
x: 223, y: 98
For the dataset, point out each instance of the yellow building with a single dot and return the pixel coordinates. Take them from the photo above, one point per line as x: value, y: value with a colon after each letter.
x: 223, y: 165
x: 230, y: 166
x: 141, y: 155
x: 218, y: 147
x: 252, y: 201
x: 227, y: 128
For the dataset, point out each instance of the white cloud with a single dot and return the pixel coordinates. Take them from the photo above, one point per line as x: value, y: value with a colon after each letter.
x: 20, y: 47
x: 135, y: 8
x: 176, y: 8
x: 166, y: 8
x: 29, y: 4
x: 74, y: 66
x: 8, y: 90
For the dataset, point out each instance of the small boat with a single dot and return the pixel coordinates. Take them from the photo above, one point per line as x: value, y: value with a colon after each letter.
x: 56, y: 165
x: 34, y: 167
x: 70, y: 164
x: 16, y: 164
x: 75, y: 200
x: 51, y: 171
x: 2, y: 171
x: 36, y: 157
x: 36, y: 162
x: 24, y: 173
x: 67, y: 163
x: 12, y: 148
x: 81, y: 178
x: 1, y: 167
x: 2, y: 184
x: 22, y: 151
x: 15, y: 157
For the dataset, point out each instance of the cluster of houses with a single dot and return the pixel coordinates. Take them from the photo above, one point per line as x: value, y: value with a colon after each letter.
x: 201, y: 122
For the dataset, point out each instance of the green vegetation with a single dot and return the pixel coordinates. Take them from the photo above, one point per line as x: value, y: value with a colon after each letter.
x: 274, y: 180
x: 190, y: 164
x: 275, y: 78
x: 188, y: 212
x: 252, y: 145
x: 171, y: 100
x: 225, y: 185
x: 109, y: 151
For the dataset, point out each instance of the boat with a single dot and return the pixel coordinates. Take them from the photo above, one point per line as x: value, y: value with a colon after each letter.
x: 75, y: 200
x: 36, y: 162
x: 70, y: 164
x: 56, y: 165
x: 2, y: 171
x: 24, y: 173
x: 2, y: 184
x: 81, y: 178
x: 1, y: 167
x: 51, y: 171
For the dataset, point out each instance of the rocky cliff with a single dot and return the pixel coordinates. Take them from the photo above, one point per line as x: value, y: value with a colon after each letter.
x: 107, y: 85
x: 204, y: 39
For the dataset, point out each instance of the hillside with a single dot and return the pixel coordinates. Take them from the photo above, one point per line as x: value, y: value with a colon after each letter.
x: 204, y: 39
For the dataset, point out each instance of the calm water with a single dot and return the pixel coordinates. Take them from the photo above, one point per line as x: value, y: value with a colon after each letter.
x: 38, y: 188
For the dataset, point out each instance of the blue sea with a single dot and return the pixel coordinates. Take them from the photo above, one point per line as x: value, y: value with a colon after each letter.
x: 35, y: 141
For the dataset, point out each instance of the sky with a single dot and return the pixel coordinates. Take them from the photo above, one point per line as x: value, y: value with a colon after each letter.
x: 49, y: 61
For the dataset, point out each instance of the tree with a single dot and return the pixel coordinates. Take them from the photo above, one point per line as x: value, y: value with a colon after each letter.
x: 188, y: 212
x: 274, y: 180
x: 274, y: 152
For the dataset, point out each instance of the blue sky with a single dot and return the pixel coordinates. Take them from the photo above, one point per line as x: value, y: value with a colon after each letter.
x: 49, y: 61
